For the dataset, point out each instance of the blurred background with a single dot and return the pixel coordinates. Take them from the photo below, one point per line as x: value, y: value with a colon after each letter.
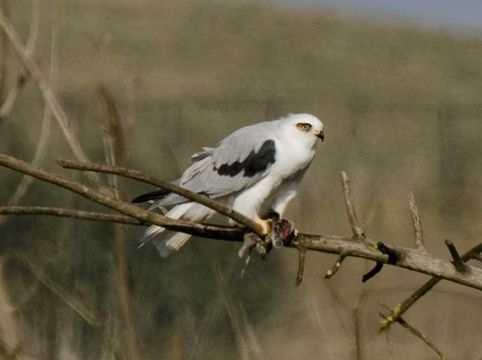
x: 398, y: 88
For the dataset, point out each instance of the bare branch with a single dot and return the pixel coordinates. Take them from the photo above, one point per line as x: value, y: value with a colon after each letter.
x: 23, y: 75
x: 350, y: 208
x: 45, y: 132
x: 46, y: 91
x: 417, y: 225
x: 407, y: 258
x: 401, y: 308
x: 137, y: 175
x: 69, y: 213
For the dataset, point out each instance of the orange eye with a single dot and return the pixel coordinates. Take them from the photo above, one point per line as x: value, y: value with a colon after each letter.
x: 304, y: 126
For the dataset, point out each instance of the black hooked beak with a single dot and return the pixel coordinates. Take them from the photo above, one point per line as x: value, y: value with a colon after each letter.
x: 321, y: 135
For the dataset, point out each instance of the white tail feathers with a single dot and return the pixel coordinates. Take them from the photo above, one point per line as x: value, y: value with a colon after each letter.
x: 167, y: 241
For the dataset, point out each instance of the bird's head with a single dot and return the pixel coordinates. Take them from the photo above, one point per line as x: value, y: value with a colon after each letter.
x: 305, y: 127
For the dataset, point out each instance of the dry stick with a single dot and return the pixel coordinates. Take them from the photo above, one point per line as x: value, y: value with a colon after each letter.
x: 88, y: 315
x: 411, y: 259
x: 148, y: 217
x: 418, y: 334
x: 358, y: 233
x: 301, y: 264
x: 456, y: 259
x: 4, y: 5
x: 166, y: 185
x: 225, y: 232
x: 46, y: 91
x: 417, y: 224
x: 23, y: 75
x: 45, y: 132
x: 336, y: 266
x: 116, y: 153
x: 350, y: 208
x: 401, y: 308
x: 69, y: 213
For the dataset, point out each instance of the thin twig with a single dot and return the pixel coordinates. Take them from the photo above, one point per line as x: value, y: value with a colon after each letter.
x: 88, y: 315
x: 4, y: 50
x: 203, y: 230
x: 357, y: 324
x: 301, y: 264
x: 417, y: 225
x: 137, y: 175
x: 23, y: 75
x: 336, y: 266
x: 46, y: 91
x: 417, y: 333
x: 350, y: 208
x: 116, y: 154
x: 45, y: 132
x: 456, y: 259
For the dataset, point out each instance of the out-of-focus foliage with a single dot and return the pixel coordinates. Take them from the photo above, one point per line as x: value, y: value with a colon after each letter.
x: 401, y: 107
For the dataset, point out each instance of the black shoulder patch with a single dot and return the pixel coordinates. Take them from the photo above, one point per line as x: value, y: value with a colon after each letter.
x: 153, y: 195
x: 254, y: 163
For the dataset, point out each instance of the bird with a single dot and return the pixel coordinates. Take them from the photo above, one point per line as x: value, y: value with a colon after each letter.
x: 256, y: 170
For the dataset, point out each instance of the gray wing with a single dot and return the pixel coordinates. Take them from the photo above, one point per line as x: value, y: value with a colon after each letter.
x: 238, y: 162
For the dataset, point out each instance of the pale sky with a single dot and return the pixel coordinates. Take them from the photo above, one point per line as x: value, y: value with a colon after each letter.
x: 453, y: 14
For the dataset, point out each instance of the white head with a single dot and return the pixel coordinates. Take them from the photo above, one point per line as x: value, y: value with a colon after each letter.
x: 304, y: 127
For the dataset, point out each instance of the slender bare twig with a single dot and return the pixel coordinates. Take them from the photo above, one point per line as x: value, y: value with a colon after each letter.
x: 204, y: 230
x: 46, y: 90
x: 350, y: 208
x: 4, y: 49
x: 456, y: 259
x: 408, y: 259
x: 402, y: 307
x: 45, y: 132
x: 87, y: 314
x: 357, y: 323
x: 116, y: 154
x: 137, y: 175
x: 417, y: 225
x: 301, y: 264
x: 23, y: 75
x: 418, y: 334
x: 336, y: 266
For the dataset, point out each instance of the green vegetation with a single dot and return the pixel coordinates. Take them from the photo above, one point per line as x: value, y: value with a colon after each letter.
x: 402, y: 108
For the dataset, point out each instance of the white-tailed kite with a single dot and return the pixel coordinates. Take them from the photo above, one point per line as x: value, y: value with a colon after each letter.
x: 255, y: 170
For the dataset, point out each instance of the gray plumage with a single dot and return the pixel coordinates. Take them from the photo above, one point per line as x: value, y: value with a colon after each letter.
x: 255, y: 169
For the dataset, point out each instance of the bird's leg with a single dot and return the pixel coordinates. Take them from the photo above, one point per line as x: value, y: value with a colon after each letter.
x: 265, y: 225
